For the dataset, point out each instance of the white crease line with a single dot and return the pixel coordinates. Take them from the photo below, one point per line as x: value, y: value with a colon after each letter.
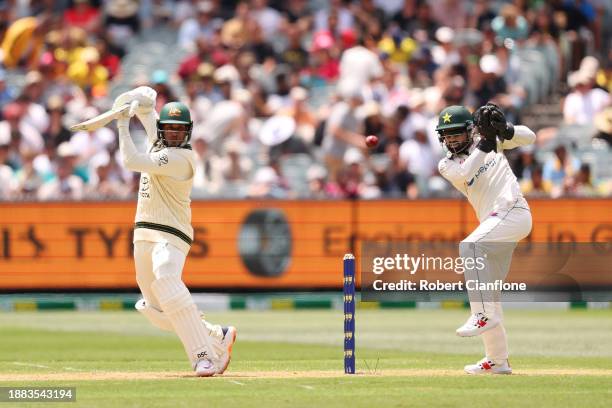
x: 236, y: 382
x: 308, y: 387
x: 30, y: 365
x: 71, y: 369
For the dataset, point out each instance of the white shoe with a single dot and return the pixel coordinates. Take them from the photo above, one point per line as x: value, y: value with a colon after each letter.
x: 205, y: 368
x: 223, y: 339
x: 486, y: 366
x: 476, y: 324
x: 228, y: 340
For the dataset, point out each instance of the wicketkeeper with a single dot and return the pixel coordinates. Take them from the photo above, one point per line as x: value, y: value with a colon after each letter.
x: 163, y: 233
x: 475, y: 164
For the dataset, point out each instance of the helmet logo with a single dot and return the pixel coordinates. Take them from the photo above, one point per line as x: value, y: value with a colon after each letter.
x: 174, y: 111
x: 446, y: 118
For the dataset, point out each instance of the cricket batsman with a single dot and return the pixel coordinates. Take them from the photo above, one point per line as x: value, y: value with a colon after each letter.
x: 163, y: 233
x: 476, y: 166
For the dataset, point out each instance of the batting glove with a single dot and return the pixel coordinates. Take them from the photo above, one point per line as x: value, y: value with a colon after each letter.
x: 143, y: 94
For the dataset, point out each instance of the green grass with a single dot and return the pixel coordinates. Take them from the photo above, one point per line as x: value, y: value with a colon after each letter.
x: 80, y: 343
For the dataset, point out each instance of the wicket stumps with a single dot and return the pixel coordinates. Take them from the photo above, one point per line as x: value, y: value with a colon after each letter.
x: 349, y: 314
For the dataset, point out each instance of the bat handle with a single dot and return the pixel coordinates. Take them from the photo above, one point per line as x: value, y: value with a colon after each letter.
x: 133, y: 106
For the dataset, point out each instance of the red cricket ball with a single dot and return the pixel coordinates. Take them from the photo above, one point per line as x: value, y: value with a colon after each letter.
x: 371, y: 141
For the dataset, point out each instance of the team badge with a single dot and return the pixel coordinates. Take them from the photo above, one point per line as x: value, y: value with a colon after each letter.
x: 174, y: 111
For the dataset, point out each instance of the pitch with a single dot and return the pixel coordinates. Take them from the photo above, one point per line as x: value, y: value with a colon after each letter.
x: 294, y: 358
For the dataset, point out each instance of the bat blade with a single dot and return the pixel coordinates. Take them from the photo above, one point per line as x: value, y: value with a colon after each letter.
x: 101, y: 120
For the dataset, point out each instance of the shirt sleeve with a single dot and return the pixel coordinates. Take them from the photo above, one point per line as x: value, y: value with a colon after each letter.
x: 163, y: 162
x: 522, y: 136
x: 149, y: 122
x: 458, y: 173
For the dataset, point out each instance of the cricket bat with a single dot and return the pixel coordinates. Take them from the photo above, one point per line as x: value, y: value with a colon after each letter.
x: 103, y: 119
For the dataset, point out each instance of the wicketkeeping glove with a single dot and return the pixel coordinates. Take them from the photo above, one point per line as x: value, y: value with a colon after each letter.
x: 504, y: 129
x: 482, y: 120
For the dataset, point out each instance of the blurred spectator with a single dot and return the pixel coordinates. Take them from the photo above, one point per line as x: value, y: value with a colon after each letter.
x: 87, y: 144
x: 121, y: 21
x: 258, y: 45
x: 491, y: 85
x: 27, y: 178
x: 558, y: 168
x: 603, y: 124
x: 160, y: 82
x: 604, y: 75
x: 65, y: 186
x: 324, y: 66
x: 361, y: 65
x: 84, y: 15
x: 581, y: 185
x: 510, y: 23
x: 406, y: 15
x: 317, y: 182
x: 7, y: 92
x: 207, y: 179
x: 21, y: 133
x: 87, y: 72
x: 108, y: 58
x: 204, y: 24
x: 397, y: 48
x: 267, y: 18
x: 56, y: 133
x: 104, y: 183
x: 585, y: 101
x: 349, y: 177
x: 189, y: 65
x: 372, y: 121
x: 338, y: 10
x: 294, y: 54
x: 266, y: 184
x: 6, y: 173
x: 368, y: 14
x: 234, y: 33
x: 524, y: 162
x: 299, y: 111
x: 445, y: 54
x: 482, y: 16
x: 223, y: 121
x: 535, y: 186
x: 22, y: 42
x: 545, y: 25
x: 418, y: 154
x: 235, y: 166
x: 394, y: 179
x: 424, y: 27
x: 450, y: 13
x: 343, y: 127
x: 30, y: 101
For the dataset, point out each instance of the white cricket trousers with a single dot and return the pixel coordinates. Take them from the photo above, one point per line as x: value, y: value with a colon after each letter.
x: 494, y: 241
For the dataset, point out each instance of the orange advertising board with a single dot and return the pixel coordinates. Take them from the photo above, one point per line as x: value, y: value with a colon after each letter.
x: 248, y: 244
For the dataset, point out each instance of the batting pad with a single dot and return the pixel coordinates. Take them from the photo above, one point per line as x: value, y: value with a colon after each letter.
x: 177, y: 304
x: 154, y: 315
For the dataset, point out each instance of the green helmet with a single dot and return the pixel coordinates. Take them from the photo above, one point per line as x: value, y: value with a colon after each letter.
x: 454, y: 117
x: 452, y: 120
x: 174, y: 113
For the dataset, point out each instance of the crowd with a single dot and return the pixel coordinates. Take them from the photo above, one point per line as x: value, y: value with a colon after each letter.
x: 283, y: 93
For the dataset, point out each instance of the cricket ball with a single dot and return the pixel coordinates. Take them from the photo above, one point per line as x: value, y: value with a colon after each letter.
x: 371, y: 141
